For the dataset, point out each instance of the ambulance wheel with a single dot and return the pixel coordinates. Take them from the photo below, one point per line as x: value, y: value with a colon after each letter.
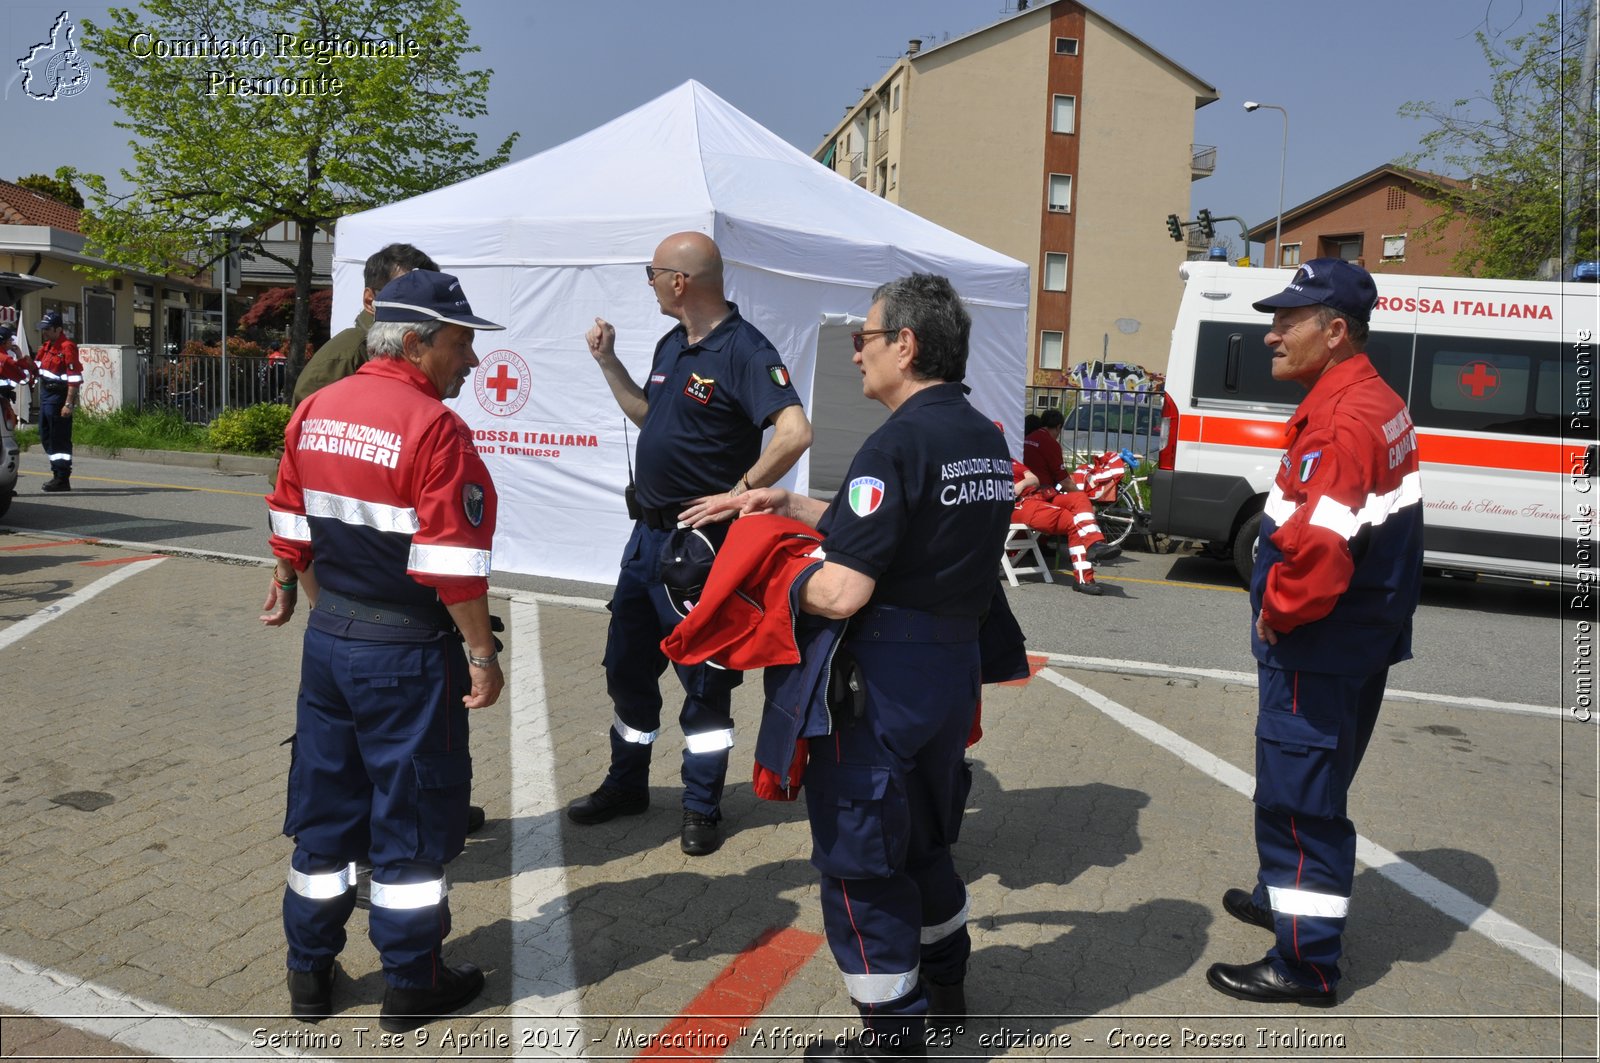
x: 5, y: 502
x: 1244, y: 547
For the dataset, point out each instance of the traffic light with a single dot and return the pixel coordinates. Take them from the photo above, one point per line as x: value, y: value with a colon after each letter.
x: 1203, y: 220
x: 1174, y: 228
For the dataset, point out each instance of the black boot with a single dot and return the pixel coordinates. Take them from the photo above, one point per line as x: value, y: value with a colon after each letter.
x: 311, y: 994
x: 58, y: 483
x: 406, y: 1009
x: 866, y: 1046
x: 947, y: 1006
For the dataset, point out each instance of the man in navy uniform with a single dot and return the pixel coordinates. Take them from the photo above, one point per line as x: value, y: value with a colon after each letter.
x: 381, y: 487
x: 912, y: 543
x: 715, y: 382
x: 1337, y: 577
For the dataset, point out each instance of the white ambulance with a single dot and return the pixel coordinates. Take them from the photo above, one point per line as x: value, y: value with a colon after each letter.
x: 1500, y: 377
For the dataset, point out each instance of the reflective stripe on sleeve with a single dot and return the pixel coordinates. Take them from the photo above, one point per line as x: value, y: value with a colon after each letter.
x: 630, y: 734
x: 1304, y: 902
x: 448, y: 560
x: 289, y: 525
x: 1336, y: 517
x: 1375, y: 510
x: 347, y: 510
x: 408, y: 896
x: 324, y: 886
x: 709, y: 741
x: 1278, y: 508
x: 932, y: 934
x: 879, y: 988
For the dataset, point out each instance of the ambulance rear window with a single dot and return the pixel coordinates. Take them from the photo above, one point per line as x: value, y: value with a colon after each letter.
x: 1232, y: 363
x: 1490, y: 385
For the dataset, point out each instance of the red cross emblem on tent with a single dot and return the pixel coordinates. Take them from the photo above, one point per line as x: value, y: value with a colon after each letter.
x: 502, y: 383
x: 1478, y: 380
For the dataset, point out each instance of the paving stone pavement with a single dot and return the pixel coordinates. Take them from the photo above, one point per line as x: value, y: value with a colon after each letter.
x: 142, y: 865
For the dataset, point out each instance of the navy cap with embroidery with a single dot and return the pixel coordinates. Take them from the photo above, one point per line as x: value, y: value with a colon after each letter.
x: 686, y: 559
x: 422, y: 296
x: 1331, y: 282
x: 51, y: 319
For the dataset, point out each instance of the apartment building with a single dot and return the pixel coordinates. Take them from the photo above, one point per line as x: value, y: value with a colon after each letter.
x: 1057, y: 137
x: 1372, y: 221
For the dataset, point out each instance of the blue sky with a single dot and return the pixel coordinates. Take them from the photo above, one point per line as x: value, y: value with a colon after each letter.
x: 562, y: 67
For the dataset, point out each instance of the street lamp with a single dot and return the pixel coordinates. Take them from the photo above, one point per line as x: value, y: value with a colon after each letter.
x: 1277, y: 236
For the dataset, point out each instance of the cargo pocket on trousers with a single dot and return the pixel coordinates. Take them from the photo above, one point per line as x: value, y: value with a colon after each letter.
x: 859, y: 820
x: 444, y: 784
x: 1295, y: 764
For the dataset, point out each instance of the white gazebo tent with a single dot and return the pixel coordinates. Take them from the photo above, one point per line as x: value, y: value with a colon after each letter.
x: 546, y: 244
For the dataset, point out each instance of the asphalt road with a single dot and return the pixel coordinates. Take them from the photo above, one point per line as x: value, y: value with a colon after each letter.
x: 1500, y: 641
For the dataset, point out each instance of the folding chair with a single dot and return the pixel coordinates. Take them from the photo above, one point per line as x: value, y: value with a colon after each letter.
x: 1022, y: 542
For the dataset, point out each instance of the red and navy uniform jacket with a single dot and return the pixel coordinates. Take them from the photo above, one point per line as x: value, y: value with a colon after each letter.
x: 16, y: 367
x: 58, y: 365
x: 1339, y: 562
x: 381, y: 486
x: 1041, y: 453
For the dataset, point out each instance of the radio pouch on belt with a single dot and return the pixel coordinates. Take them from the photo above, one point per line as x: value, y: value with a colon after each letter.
x: 847, y: 694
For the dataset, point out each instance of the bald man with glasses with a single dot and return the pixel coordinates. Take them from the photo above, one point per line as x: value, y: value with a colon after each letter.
x: 715, y: 384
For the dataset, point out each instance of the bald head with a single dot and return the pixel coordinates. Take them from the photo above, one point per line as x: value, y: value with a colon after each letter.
x: 697, y: 255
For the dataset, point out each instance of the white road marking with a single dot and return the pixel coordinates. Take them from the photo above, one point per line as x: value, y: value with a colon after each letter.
x: 1415, y: 881
x: 1158, y: 670
x: 23, y: 628
x: 543, y: 979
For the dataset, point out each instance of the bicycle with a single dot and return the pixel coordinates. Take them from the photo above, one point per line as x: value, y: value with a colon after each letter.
x: 1121, y: 498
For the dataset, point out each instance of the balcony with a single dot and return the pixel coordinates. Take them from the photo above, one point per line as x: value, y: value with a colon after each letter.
x: 880, y: 145
x: 858, y: 165
x: 1202, y: 161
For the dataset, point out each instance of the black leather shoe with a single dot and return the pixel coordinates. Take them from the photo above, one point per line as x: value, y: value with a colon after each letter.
x: 311, y: 994
x: 859, y: 1048
x: 57, y: 485
x: 475, y: 819
x: 406, y: 1009
x: 1089, y: 587
x: 1260, y: 983
x: 947, y: 1006
x: 1102, y: 551
x: 1240, y: 905
x: 702, y: 835
x: 608, y: 802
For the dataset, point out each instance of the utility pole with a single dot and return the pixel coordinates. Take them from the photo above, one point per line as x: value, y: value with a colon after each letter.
x: 1580, y: 146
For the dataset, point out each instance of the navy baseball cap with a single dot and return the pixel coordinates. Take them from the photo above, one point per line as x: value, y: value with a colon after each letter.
x: 51, y: 319
x: 1331, y: 282
x: 422, y: 296
x: 6, y: 332
x: 686, y: 559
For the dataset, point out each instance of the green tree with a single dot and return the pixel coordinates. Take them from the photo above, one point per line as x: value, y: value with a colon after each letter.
x: 1526, y: 148
x: 301, y: 111
x: 53, y: 187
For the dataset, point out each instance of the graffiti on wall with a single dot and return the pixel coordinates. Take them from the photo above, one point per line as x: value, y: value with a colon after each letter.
x: 102, y: 378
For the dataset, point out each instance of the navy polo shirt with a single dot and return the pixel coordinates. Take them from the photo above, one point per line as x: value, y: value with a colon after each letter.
x: 925, y: 506
x: 708, y: 403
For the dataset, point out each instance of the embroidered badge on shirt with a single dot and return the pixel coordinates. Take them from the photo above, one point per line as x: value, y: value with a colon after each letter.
x: 866, y: 495
x: 472, y: 503
x: 658, y: 378
x: 779, y: 375
x: 1308, y: 465
x: 699, y: 388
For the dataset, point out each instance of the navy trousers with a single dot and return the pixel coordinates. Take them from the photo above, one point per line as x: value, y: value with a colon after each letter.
x: 885, y: 795
x: 1312, y: 729
x: 379, y: 771
x: 55, y: 435
x: 641, y: 616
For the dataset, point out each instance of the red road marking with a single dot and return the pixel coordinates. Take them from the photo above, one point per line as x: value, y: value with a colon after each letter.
x: 735, y: 996
x: 1035, y: 662
x: 41, y: 546
x: 125, y: 560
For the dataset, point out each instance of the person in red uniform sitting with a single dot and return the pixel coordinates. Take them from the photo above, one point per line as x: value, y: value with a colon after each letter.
x: 1064, y: 513
x: 1041, y: 453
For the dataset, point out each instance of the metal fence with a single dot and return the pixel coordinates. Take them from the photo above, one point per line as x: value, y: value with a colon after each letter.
x: 193, y: 385
x: 1101, y: 419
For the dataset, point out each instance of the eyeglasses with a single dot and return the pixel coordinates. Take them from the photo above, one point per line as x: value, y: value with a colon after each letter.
x: 860, y: 338
x: 651, y: 271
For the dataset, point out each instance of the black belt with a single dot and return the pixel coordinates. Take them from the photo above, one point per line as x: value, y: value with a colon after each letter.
x: 55, y: 386
x: 389, y: 614
x: 882, y: 623
x: 660, y: 519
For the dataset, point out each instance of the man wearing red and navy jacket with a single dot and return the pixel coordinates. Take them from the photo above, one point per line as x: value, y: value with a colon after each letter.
x: 1337, y: 577
x: 381, y: 487
x: 60, y: 378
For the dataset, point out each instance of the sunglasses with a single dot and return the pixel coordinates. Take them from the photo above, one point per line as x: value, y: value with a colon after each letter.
x: 860, y: 338
x: 651, y: 271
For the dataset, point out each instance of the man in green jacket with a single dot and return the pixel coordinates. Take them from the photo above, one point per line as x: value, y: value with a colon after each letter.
x: 345, y: 353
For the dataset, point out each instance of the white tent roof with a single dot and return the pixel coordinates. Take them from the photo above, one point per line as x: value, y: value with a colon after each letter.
x: 685, y: 160
x: 547, y: 244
